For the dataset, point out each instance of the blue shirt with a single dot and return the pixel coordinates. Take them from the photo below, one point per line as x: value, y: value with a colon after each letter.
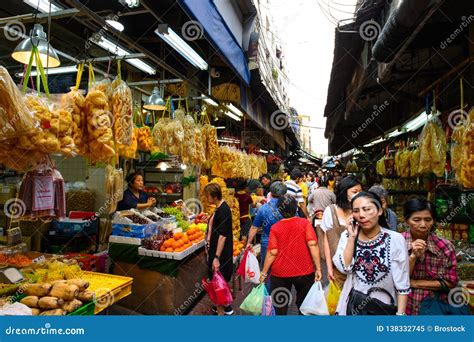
x: 130, y: 201
x: 392, y: 220
x: 267, y: 215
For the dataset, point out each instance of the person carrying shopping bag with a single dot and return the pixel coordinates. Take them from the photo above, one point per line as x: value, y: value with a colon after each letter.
x: 219, y: 239
x: 375, y: 260
x: 293, y: 256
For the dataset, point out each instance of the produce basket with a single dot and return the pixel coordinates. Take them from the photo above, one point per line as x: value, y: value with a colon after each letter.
x: 171, y: 255
x: 121, y: 288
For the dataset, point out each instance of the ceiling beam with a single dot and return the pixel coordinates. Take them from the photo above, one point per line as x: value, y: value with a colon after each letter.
x: 40, y: 17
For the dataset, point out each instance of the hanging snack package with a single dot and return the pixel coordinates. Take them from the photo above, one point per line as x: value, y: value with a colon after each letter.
x: 74, y: 103
x: 99, y: 126
x: 122, y: 109
x: 457, y: 149
x: 145, y: 141
x: 129, y: 151
x: 467, y: 168
x: 15, y: 118
x: 414, y: 162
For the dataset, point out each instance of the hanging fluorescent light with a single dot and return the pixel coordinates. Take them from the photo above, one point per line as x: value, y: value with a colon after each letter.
x: 130, y: 3
x: 52, y: 71
x: 232, y: 116
x: 43, y: 5
x: 155, y: 101
x: 170, y: 37
x: 375, y: 142
x: 394, y: 134
x: 417, y: 122
x: 120, y: 51
x: 209, y: 101
x: 263, y: 151
x: 115, y: 24
x: 220, y: 127
x: 234, y: 109
x: 37, y: 38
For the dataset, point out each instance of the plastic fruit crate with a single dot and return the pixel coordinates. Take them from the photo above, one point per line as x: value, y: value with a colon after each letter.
x: 171, y: 255
x: 122, y: 290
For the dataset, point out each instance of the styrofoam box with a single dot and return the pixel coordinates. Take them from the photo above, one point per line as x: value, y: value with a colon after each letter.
x: 125, y: 240
x: 172, y: 256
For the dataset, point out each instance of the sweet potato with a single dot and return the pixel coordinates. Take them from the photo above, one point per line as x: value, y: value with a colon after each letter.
x: 86, y: 296
x: 55, y: 312
x: 72, y: 305
x: 80, y: 283
x: 39, y: 290
x: 30, y: 301
x: 64, y: 291
x: 50, y: 303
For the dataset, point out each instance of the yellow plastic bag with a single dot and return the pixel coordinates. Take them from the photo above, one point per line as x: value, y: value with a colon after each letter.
x: 334, y: 292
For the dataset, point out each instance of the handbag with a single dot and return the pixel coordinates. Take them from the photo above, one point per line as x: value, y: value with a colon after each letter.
x: 360, y: 303
x: 436, y: 306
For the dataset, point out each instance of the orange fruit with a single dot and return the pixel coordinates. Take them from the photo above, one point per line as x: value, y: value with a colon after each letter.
x: 185, y: 239
x: 180, y: 243
x: 169, y: 249
x: 178, y: 236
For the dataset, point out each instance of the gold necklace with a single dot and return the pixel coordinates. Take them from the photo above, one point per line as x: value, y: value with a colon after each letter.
x: 372, y: 237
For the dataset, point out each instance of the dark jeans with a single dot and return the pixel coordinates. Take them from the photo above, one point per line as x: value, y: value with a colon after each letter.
x: 280, y: 289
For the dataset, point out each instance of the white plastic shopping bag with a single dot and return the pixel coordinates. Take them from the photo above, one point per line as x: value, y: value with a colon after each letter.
x: 315, y: 302
x: 252, y: 269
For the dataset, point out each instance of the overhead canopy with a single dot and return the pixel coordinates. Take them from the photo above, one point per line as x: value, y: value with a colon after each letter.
x: 218, y: 33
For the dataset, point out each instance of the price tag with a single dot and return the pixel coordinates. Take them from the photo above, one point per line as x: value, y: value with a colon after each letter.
x: 43, y: 198
x: 39, y: 259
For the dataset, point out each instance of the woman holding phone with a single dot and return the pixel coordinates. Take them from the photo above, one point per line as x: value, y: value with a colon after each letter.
x: 375, y: 260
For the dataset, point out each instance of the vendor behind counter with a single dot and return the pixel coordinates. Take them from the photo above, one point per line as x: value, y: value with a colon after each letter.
x: 134, y: 197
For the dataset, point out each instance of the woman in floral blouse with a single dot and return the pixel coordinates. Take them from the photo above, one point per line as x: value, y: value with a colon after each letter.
x: 431, y: 258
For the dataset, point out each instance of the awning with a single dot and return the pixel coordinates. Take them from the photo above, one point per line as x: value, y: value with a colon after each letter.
x: 400, y: 25
x: 219, y: 35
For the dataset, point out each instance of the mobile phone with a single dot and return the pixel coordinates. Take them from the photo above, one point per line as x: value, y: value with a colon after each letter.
x: 354, y: 223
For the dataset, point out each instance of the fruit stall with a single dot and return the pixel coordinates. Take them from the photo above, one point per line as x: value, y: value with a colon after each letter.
x: 55, y: 286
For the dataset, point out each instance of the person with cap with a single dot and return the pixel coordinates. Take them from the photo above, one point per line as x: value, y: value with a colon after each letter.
x: 134, y: 197
x: 389, y: 213
x: 293, y: 189
x: 266, y: 217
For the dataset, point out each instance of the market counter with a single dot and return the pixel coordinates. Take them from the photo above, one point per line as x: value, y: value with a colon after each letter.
x: 160, y: 287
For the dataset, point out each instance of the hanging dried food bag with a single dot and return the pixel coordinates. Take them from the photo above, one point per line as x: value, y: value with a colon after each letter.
x: 122, y: 113
x: 15, y: 118
x: 467, y: 168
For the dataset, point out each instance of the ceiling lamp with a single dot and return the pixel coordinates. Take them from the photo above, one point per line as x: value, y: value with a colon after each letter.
x: 115, y: 24
x: 155, y: 101
x: 184, y: 49
x: 37, y: 38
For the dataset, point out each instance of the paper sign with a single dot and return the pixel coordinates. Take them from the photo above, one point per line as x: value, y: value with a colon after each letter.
x: 43, y: 193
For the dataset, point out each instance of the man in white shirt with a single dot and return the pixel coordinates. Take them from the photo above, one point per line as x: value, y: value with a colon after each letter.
x: 294, y: 190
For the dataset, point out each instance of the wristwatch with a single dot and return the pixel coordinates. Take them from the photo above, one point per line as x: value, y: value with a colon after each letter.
x: 401, y: 314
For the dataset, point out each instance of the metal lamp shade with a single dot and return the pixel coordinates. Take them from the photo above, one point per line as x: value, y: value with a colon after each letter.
x: 155, y: 102
x: 48, y: 57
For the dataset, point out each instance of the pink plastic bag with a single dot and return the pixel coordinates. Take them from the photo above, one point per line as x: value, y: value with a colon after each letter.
x: 218, y: 290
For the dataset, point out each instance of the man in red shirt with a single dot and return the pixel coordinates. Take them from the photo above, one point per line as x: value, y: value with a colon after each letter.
x: 293, y: 256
